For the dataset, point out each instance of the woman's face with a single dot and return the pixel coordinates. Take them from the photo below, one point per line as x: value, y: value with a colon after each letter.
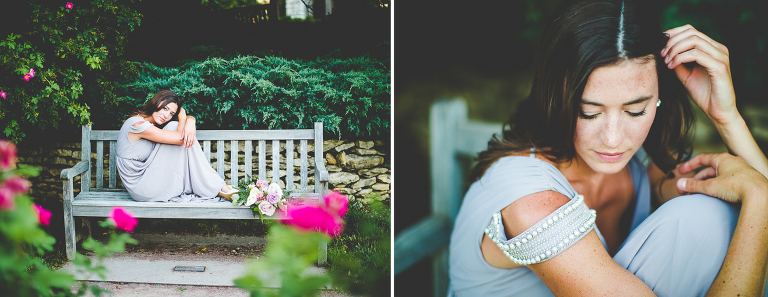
x: 617, y: 109
x: 165, y: 114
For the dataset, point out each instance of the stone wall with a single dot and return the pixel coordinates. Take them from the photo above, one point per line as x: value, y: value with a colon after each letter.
x: 358, y: 168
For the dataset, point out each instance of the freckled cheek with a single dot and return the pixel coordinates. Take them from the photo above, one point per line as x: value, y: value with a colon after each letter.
x: 585, y: 134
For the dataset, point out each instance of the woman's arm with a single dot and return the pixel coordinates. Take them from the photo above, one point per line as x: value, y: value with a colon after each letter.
x: 745, y: 269
x: 584, y: 269
x: 186, y: 128
x: 711, y: 87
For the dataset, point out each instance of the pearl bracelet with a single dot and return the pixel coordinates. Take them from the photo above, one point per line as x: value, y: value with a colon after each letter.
x: 547, y: 238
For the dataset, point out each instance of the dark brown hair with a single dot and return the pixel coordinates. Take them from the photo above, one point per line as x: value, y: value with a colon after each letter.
x: 158, y: 102
x: 584, y: 36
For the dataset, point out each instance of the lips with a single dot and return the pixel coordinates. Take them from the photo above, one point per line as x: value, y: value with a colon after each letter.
x: 609, y: 157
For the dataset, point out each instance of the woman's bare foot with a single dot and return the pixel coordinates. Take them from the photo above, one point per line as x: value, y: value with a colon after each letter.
x: 227, y: 191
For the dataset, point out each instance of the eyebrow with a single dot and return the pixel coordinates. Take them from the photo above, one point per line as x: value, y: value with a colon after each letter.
x: 636, y: 101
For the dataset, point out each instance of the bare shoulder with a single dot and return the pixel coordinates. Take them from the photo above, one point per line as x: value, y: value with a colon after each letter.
x: 138, y: 124
x: 530, y: 209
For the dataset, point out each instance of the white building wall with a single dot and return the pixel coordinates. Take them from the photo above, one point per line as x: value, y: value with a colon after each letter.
x: 296, y: 9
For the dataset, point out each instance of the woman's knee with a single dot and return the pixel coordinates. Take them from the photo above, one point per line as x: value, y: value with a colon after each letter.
x: 172, y: 125
x: 701, y: 213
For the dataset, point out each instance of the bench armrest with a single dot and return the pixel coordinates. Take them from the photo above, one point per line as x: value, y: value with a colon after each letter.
x: 76, y: 170
x: 320, y: 172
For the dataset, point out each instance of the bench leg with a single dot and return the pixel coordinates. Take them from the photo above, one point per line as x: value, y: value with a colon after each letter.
x: 69, y: 223
x: 322, y: 254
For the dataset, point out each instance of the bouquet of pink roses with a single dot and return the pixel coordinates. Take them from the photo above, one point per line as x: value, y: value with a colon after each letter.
x: 263, y: 198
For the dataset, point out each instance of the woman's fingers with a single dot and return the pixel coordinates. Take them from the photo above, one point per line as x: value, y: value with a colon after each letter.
x: 700, y: 160
x: 706, y: 173
x: 694, y: 42
x: 679, y: 34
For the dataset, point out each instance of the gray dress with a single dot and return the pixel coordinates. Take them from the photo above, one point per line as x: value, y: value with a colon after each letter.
x: 677, y: 250
x: 159, y: 172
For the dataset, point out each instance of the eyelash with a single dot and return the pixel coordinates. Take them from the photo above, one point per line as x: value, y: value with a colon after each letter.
x: 632, y: 114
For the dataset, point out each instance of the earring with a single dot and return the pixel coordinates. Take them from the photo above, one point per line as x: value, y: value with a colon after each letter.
x: 658, y: 103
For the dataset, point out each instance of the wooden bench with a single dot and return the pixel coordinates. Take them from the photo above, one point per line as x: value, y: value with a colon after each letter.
x: 453, y: 139
x: 98, y: 201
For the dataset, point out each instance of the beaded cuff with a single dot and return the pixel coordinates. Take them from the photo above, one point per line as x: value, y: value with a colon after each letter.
x: 547, y: 238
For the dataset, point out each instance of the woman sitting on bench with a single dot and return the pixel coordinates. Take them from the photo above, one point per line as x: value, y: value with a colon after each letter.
x: 159, y: 158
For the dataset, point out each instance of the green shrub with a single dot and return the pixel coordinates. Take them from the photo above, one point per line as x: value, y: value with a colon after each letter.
x: 351, y: 97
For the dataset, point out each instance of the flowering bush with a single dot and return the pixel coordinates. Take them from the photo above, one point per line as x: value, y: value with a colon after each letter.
x: 22, y: 241
x: 292, y: 249
x: 263, y: 198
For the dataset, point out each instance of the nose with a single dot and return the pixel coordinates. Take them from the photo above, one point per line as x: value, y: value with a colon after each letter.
x: 612, y: 133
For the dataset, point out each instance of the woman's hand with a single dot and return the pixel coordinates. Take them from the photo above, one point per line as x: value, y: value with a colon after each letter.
x: 188, y: 132
x: 709, y: 80
x: 725, y: 176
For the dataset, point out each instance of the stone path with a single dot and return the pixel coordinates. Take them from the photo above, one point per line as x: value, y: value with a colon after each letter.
x: 148, y: 268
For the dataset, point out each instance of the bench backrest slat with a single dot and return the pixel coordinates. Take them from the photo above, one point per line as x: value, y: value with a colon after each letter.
x: 99, y: 160
x: 220, y: 158
x: 289, y: 165
x: 318, y: 149
x: 233, y: 168
x: 85, y: 186
x: 248, y: 169
x: 262, y: 160
x: 275, y: 160
x: 304, y: 165
x: 113, y: 164
x: 207, y: 150
x: 274, y: 138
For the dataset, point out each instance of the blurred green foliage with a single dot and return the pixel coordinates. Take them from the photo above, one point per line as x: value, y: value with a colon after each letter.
x: 350, y: 96
x: 361, y: 256
x: 75, y: 54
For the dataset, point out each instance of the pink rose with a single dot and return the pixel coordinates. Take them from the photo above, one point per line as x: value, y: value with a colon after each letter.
x: 261, y: 184
x: 2, y: 94
x: 123, y: 219
x: 27, y: 77
x: 6, y: 199
x: 273, y: 198
x: 69, y: 5
x: 7, y: 155
x: 323, y: 217
x: 17, y: 184
x: 266, y: 208
x: 31, y: 72
x: 337, y: 203
x: 43, y: 215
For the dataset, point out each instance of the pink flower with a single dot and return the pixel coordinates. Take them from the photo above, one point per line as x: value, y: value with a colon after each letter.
x: 27, y: 77
x: 7, y: 155
x: 43, y: 215
x: 69, y: 5
x: 273, y: 198
x: 261, y: 184
x: 31, y: 72
x: 337, y: 203
x: 323, y: 217
x: 2, y: 93
x: 6, y: 199
x: 123, y: 219
x: 17, y: 184
x: 267, y: 208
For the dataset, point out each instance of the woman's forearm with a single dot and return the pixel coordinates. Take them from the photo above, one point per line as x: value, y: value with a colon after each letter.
x: 741, y: 143
x: 744, y: 269
x: 182, y: 119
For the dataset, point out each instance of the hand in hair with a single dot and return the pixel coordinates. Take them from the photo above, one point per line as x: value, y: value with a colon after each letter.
x: 709, y: 80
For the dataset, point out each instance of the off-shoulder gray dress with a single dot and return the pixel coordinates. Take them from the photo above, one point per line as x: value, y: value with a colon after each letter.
x: 677, y: 250
x: 158, y: 172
